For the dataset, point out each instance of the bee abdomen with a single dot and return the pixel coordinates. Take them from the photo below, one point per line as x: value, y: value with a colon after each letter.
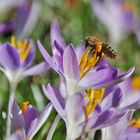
x: 108, y: 51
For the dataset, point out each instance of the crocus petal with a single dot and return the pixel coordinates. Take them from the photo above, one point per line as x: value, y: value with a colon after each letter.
x: 75, y: 115
x: 55, y: 35
x: 37, y: 69
x: 75, y: 109
x: 117, y: 130
x: 6, y: 27
x: 117, y: 97
x: 120, y: 77
x: 103, y: 117
x: 29, y: 116
x: 135, y: 136
x: 97, y: 79
x: 20, y: 135
x: 17, y: 118
x: 108, y: 118
x: 40, y: 121
x: 9, y: 57
x: 132, y: 101
x: 55, y: 97
x: 100, y: 11
x: 22, y: 16
x: 31, y: 19
x: 70, y: 64
x: 48, y: 58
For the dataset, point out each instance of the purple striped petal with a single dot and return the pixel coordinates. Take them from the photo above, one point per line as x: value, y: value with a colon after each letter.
x: 48, y: 58
x: 29, y: 116
x: 9, y: 57
x: 102, y: 118
x: 56, y: 35
x: 117, y: 97
x: 98, y: 79
x: 55, y: 97
x: 37, y: 69
x: 70, y: 64
x: 17, y: 119
x: 37, y: 124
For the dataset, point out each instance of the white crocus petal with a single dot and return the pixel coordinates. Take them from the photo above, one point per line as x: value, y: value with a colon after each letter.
x: 73, y: 131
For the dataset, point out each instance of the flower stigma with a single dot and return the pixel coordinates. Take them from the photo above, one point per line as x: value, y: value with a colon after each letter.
x: 24, y: 107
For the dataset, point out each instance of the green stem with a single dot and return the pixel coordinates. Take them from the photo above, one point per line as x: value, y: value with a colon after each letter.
x: 53, y: 127
x: 11, y: 100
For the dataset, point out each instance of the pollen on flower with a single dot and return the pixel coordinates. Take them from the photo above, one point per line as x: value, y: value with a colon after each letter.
x: 87, y: 62
x: 24, y: 107
x: 136, y: 83
x: 23, y: 47
x: 94, y: 97
x: 135, y: 123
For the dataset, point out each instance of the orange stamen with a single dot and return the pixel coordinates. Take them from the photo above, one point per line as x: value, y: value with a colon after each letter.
x: 24, y: 107
x: 136, y: 83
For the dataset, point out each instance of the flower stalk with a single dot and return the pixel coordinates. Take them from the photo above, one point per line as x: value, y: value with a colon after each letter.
x: 11, y: 100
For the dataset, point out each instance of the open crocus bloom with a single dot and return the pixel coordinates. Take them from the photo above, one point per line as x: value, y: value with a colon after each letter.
x: 74, y: 112
x: 26, y: 122
x: 81, y: 76
x: 118, y: 16
x: 15, y: 59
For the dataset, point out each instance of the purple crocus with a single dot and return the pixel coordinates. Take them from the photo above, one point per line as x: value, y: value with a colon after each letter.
x: 123, y: 97
x: 125, y: 129
x: 118, y: 16
x: 69, y: 68
x: 26, y: 122
x: 15, y: 59
x: 73, y: 112
x: 27, y: 14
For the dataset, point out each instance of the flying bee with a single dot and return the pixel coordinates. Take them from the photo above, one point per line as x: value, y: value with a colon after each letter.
x: 101, y: 48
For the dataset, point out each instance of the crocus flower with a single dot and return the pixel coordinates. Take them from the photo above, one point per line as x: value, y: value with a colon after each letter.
x: 78, y: 74
x: 123, y: 97
x: 73, y: 111
x: 26, y: 122
x: 15, y: 59
x: 118, y: 16
x: 22, y: 25
x: 125, y: 129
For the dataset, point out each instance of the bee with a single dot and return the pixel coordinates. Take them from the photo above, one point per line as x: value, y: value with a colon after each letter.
x: 101, y: 48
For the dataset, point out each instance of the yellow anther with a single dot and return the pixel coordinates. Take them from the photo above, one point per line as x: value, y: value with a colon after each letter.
x: 136, y: 83
x: 13, y: 41
x: 23, y: 47
x: 25, y: 52
x: 87, y: 63
x: 94, y: 98
x: 24, y: 107
x: 135, y: 123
